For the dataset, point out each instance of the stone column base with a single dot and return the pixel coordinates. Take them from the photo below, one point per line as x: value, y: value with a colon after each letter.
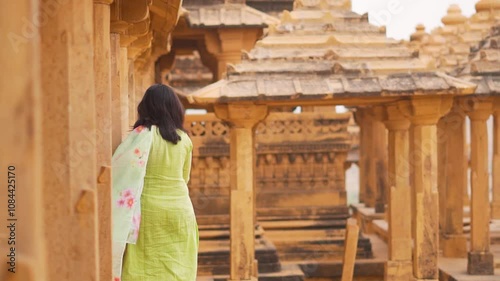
x: 454, y: 246
x: 480, y: 263
x: 495, y: 210
x: 398, y: 271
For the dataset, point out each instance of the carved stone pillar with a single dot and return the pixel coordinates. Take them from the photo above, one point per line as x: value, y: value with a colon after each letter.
x: 132, y: 102
x: 243, y: 119
x: 480, y: 259
x: 367, y: 176
x: 117, y: 125
x: 424, y: 113
x: 495, y: 205
x: 226, y: 46
x: 378, y: 146
x: 21, y: 150
x: 124, y: 98
x: 399, y: 264
x: 102, y: 78
x: 452, y: 180
x: 69, y: 154
x: 361, y: 120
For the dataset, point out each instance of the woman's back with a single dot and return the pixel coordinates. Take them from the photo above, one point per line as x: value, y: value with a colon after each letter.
x: 169, y: 163
x: 168, y: 239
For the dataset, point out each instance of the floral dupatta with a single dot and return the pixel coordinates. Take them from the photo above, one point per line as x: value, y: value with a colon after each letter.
x: 128, y: 168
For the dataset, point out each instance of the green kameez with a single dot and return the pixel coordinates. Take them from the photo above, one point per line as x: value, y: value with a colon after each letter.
x: 167, y: 245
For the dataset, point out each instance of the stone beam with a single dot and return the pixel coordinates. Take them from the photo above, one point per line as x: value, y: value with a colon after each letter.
x: 126, y: 12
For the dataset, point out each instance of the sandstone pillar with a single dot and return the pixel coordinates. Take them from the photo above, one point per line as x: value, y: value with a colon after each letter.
x: 480, y: 259
x: 367, y: 184
x: 360, y: 117
x: 226, y: 46
x: 452, y: 180
x: 495, y: 206
x: 124, y: 88
x: 378, y: 146
x: 424, y: 113
x: 21, y: 149
x: 116, y: 92
x: 399, y: 264
x: 242, y: 118
x: 132, y: 102
x: 69, y: 155
x: 102, y: 78
x: 223, y: 60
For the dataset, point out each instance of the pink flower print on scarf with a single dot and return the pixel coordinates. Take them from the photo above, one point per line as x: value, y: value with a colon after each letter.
x: 127, y: 199
x: 139, y: 129
x: 116, y: 279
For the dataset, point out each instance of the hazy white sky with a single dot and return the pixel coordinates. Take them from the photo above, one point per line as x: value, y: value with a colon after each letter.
x: 401, y: 16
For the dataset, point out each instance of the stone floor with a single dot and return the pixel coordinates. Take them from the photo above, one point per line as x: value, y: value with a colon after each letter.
x: 454, y: 269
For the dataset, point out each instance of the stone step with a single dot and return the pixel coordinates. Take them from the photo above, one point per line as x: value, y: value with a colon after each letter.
x: 292, y: 225
x: 289, y: 272
x: 214, y: 257
x: 364, y: 269
x: 380, y: 228
x: 317, y: 248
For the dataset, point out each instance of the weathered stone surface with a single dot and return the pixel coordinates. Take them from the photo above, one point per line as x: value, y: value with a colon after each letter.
x: 227, y: 15
x: 450, y: 45
x: 479, y: 263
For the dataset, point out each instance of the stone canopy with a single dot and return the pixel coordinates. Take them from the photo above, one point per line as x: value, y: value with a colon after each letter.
x: 322, y: 50
x: 483, y: 68
x: 451, y: 44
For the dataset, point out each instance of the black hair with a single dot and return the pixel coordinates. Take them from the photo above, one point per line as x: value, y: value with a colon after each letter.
x: 160, y: 106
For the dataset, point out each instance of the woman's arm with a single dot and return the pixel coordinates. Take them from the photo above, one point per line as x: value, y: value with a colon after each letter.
x: 187, y: 164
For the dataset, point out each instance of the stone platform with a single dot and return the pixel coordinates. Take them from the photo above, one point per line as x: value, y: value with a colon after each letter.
x: 451, y: 269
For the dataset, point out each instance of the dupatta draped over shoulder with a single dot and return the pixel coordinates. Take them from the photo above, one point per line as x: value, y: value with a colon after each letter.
x: 128, y: 168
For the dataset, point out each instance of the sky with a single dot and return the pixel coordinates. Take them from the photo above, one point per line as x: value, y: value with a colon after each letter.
x: 402, y: 16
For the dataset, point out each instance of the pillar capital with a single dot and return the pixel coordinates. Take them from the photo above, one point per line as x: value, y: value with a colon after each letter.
x: 394, y: 119
x: 377, y: 112
x: 426, y: 110
x: 476, y: 108
x: 359, y: 115
x: 241, y: 115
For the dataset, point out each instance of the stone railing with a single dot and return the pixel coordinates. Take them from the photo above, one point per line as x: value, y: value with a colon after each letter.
x: 299, y: 167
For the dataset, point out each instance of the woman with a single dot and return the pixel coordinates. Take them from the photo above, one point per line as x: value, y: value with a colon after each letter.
x: 152, y: 213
